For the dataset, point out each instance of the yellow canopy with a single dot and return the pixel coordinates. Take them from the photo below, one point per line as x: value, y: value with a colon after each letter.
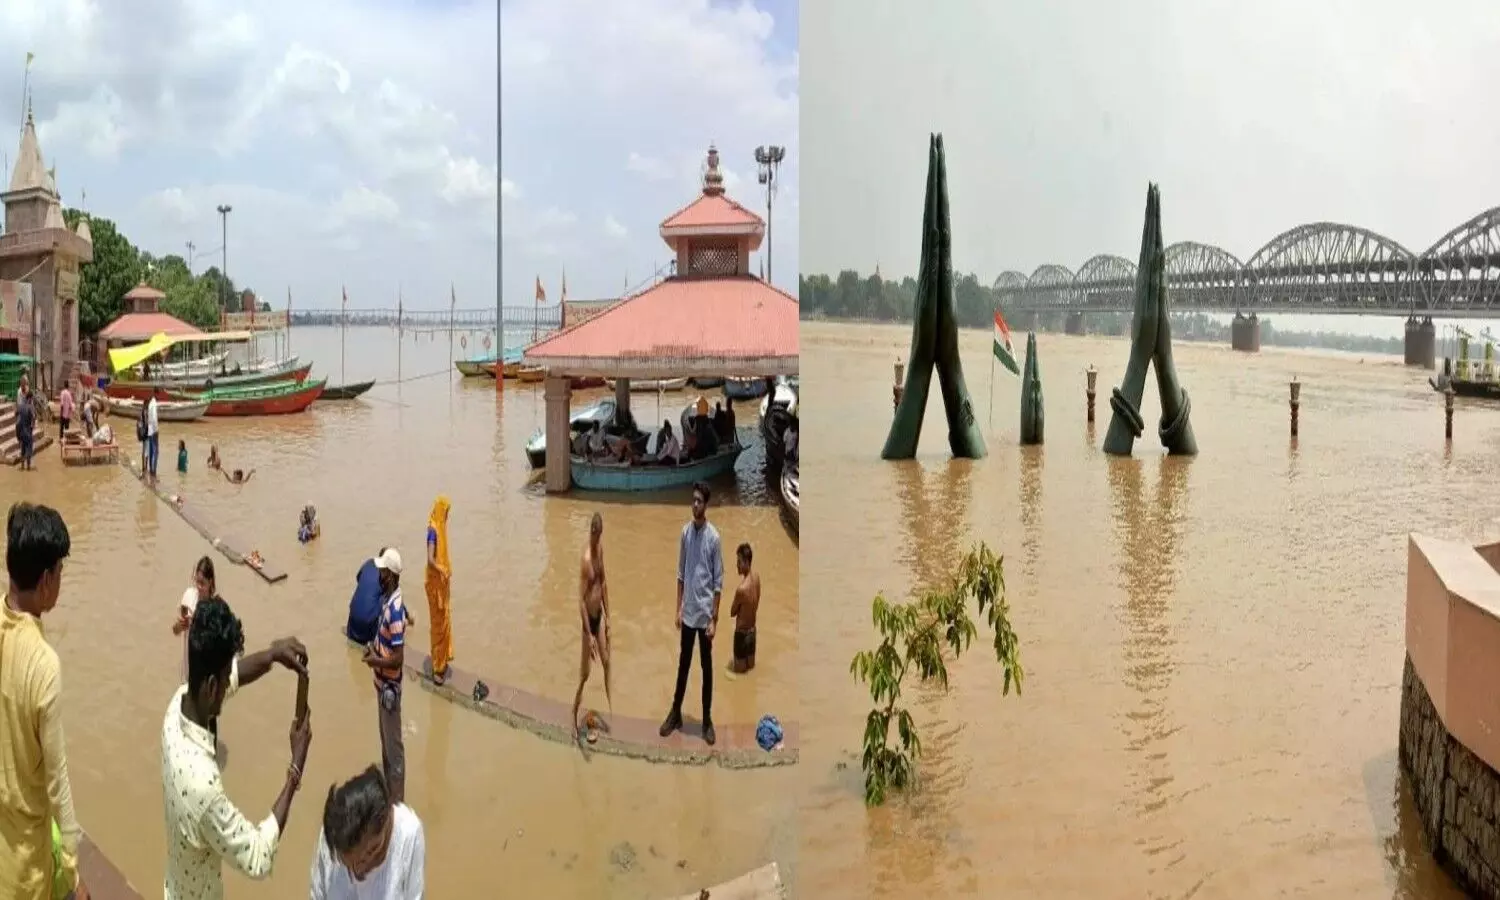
x: 122, y: 358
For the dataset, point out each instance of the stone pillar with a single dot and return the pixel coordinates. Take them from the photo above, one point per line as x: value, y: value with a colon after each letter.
x: 558, y: 392
x: 1244, y: 333
x: 1074, y: 324
x: 1421, y: 342
x: 622, y: 394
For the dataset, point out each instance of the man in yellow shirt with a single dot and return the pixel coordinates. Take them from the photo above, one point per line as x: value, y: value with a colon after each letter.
x: 34, y: 789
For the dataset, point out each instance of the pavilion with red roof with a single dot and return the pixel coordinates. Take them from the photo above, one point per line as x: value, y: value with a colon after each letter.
x: 712, y: 317
x: 142, y: 321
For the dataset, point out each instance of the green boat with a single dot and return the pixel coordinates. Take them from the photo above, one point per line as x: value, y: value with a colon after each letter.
x: 264, y: 400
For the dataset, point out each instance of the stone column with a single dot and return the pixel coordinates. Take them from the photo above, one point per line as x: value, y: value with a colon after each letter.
x: 1074, y: 324
x: 1421, y: 342
x: 622, y: 394
x: 558, y: 392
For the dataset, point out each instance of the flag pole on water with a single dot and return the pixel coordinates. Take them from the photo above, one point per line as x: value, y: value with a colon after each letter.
x: 1005, y: 352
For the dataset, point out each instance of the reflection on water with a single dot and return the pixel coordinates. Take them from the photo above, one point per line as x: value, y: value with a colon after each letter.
x: 493, y: 800
x: 1212, y: 645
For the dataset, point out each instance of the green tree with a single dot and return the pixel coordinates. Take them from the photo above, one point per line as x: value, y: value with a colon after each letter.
x: 103, y: 283
x: 912, y: 636
x: 189, y: 298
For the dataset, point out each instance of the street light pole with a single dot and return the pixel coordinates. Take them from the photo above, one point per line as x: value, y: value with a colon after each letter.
x: 224, y: 211
x: 769, y: 159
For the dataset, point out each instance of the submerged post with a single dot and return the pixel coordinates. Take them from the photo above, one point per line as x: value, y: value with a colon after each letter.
x: 1448, y: 395
x: 896, y: 387
x: 1092, y: 374
x: 1295, y: 389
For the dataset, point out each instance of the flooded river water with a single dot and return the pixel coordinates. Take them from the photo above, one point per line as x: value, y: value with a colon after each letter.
x: 501, y: 807
x: 1213, y: 646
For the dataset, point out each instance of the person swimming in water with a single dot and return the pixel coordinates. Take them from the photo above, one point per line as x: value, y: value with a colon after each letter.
x: 238, y: 476
x: 593, y: 609
x: 213, y: 458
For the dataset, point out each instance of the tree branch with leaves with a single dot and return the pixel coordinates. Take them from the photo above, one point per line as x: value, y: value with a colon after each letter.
x: 912, y: 638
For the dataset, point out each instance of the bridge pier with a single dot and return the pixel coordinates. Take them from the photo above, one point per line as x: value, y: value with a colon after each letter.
x: 1074, y: 324
x: 1421, y: 342
x: 1244, y: 333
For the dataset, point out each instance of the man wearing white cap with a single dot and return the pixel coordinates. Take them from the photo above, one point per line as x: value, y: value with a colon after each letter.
x: 386, y: 655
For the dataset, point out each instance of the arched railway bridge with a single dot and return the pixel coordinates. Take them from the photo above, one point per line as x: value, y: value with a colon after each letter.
x: 1320, y: 267
x: 540, y: 318
x: 1327, y: 268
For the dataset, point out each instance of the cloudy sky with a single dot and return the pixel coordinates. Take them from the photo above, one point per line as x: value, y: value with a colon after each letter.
x: 356, y: 140
x: 1253, y: 117
x: 607, y: 112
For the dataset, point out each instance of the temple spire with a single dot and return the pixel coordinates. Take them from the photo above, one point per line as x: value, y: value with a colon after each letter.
x: 30, y: 173
x: 713, y: 179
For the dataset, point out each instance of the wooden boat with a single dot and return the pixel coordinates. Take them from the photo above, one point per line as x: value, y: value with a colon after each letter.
x: 602, y: 411
x: 270, y: 400
x: 585, y: 382
x: 166, y: 410
x: 744, y: 388
x: 531, y: 374
x: 472, y: 368
x: 777, y: 412
x: 346, y: 391
x: 652, y: 385
x: 206, y: 365
x: 791, y: 495
x: 289, y: 370
x: 611, y: 476
x: 706, y: 383
x: 78, y: 452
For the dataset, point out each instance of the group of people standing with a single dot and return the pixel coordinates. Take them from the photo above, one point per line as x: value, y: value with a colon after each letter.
x: 371, y: 845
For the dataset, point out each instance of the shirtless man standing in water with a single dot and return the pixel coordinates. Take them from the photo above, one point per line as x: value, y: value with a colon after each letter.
x: 593, y: 610
x: 746, y: 604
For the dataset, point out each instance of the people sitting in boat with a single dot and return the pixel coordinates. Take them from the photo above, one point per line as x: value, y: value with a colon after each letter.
x: 238, y: 476
x: 705, y: 441
x: 213, y: 458
x: 182, y: 456
x: 789, y: 441
x: 608, y: 446
x: 668, y: 450
x: 729, y: 424
x: 308, y: 527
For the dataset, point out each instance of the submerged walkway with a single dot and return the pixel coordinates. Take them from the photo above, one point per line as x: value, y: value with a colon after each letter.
x: 237, y: 551
x: 762, y: 884
x: 100, y: 876
x: 635, y: 738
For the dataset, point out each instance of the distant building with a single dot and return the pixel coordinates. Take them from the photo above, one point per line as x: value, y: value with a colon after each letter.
x: 39, y: 265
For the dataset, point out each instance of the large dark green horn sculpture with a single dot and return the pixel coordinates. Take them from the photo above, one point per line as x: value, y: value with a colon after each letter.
x: 935, y: 334
x: 1151, y: 343
x: 1033, y: 419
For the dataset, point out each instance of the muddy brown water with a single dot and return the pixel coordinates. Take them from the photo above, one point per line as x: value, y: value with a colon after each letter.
x: 1213, y: 646
x: 500, y: 806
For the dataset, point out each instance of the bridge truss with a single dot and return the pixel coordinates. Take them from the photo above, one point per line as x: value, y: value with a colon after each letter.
x: 1318, y: 267
x: 540, y: 318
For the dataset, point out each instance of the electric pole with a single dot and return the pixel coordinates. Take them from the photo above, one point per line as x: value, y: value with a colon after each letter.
x: 190, y: 247
x: 224, y: 211
x: 769, y: 159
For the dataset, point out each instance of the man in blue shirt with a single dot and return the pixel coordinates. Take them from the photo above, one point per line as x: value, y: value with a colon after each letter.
x: 364, y: 605
x: 700, y: 581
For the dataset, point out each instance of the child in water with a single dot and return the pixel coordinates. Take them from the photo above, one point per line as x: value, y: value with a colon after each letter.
x: 182, y: 456
x: 308, y: 528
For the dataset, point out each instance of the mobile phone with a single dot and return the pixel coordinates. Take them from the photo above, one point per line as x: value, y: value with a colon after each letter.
x: 302, y: 683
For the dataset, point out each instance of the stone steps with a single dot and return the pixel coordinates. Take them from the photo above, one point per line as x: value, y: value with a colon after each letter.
x: 10, y: 448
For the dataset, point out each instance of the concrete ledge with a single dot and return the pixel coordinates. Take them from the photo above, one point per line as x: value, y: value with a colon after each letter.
x: 100, y: 876
x: 1449, y: 739
x: 762, y: 884
x: 630, y: 737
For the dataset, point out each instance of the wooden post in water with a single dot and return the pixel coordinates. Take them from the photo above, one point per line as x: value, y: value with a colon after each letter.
x: 1092, y: 374
x: 1448, y: 395
x: 898, y: 388
x: 1295, y: 389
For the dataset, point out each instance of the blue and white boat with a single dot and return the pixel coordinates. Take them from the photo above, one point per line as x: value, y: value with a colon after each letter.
x: 601, y: 411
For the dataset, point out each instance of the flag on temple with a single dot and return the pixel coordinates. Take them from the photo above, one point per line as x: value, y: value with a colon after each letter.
x: 29, y: 57
x: 541, y: 292
x: 1004, y: 351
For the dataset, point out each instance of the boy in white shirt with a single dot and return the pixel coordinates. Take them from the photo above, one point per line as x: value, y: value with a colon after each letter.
x: 370, y: 848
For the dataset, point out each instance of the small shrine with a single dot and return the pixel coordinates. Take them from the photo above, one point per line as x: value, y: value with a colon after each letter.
x: 39, y: 266
x: 712, y: 317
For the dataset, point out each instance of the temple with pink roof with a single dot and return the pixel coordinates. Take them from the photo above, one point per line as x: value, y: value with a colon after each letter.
x: 711, y: 317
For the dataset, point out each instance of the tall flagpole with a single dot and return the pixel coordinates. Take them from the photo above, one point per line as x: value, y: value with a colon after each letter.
x: 343, y: 326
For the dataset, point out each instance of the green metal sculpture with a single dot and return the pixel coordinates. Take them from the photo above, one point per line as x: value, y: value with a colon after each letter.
x: 934, y: 341
x: 1151, y: 343
x: 1033, y: 419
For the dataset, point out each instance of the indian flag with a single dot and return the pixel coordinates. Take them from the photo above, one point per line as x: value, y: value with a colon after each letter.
x: 1003, y: 349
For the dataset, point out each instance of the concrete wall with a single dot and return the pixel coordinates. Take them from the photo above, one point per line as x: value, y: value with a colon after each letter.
x: 1449, y: 749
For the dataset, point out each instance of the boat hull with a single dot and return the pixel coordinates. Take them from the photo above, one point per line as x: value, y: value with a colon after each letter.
x: 272, y: 404
x: 471, y: 368
x: 531, y: 374
x: 791, y: 497
x: 175, y: 411
x: 346, y: 391
x: 652, y: 385
x: 744, y: 388
x: 1479, y: 390
x: 617, y: 477
x: 142, y: 390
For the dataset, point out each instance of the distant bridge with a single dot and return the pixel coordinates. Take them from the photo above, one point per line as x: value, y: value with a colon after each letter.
x: 1321, y: 267
x: 539, y: 318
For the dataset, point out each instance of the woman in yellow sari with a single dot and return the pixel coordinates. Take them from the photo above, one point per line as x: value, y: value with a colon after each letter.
x: 438, y: 583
